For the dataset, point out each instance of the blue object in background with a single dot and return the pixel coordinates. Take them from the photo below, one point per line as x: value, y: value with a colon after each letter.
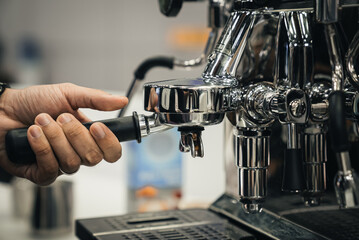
x: 156, y: 161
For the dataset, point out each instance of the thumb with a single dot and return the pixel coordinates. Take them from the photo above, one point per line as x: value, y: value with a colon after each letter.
x: 82, y: 97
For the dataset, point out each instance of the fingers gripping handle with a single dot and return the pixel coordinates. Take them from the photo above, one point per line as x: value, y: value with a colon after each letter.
x: 19, y: 150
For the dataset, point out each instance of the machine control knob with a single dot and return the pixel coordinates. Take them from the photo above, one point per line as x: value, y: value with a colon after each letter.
x: 297, y: 107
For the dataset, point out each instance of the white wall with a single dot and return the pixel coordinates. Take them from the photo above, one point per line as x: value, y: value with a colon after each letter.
x: 97, y: 43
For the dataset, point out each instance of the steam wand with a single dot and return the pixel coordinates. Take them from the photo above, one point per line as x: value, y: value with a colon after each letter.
x: 346, y: 181
x: 168, y: 62
x: 218, y: 12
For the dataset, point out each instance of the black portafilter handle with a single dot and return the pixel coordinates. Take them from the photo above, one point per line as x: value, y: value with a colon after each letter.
x: 293, y: 171
x: 19, y: 150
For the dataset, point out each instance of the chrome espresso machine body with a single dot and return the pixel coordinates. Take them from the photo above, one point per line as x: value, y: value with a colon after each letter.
x: 281, y: 71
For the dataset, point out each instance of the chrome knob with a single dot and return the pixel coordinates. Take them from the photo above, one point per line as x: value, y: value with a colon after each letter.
x: 297, y: 107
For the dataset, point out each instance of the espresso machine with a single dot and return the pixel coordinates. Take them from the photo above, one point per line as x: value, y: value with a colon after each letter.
x: 283, y: 76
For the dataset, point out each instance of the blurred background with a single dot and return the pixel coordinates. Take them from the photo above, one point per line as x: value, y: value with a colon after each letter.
x: 99, y: 44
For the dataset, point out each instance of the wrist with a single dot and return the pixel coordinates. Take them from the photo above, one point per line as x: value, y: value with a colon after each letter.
x: 3, y: 87
x: 6, y: 104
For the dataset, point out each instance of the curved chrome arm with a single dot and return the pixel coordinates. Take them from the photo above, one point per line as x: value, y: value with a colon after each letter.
x: 334, y: 48
x: 217, y: 16
x: 352, y: 60
x: 212, y: 39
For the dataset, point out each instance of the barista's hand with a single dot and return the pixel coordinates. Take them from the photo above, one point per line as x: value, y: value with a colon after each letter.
x: 58, y: 138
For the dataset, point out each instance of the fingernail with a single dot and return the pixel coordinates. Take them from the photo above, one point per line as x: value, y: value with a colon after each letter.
x: 64, y: 118
x: 43, y: 120
x: 35, y: 132
x: 98, y: 131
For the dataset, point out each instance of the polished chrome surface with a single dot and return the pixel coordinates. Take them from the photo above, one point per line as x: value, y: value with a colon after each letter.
x: 253, y: 148
x: 346, y: 188
x: 151, y: 124
x: 344, y: 162
x: 346, y: 182
x: 191, y: 141
x: 315, y: 144
x: 187, y: 102
x: 186, y: 96
x: 299, y: 39
x: 252, y: 207
x: 235, y: 58
x: 316, y: 183
x: 295, y: 5
x: 318, y: 95
x: 315, y: 158
x: 191, y: 119
x: 327, y: 11
x: 269, y: 224
x: 352, y: 60
x: 257, y: 101
x: 297, y: 106
x: 252, y: 159
x: 335, y: 56
x: 274, y: 63
x: 277, y: 61
x: 252, y: 187
x: 293, y: 140
x: 220, y: 61
x: 294, y: 59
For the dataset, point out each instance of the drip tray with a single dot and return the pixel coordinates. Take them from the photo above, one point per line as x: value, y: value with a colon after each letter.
x: 169, y: 225
x: 333, y: 223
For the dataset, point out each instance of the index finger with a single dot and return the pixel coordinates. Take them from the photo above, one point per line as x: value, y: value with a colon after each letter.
x: 82, y: 97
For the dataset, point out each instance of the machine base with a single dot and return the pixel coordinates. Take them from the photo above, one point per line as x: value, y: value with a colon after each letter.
x: 184, y: 224
x: 289, y: 219
x: 225, y: 219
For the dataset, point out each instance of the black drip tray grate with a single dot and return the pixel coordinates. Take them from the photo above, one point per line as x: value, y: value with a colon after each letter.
x: 169, y: 225
x: 207, y: 232
x: 153, y: 219
x: 333, y: 224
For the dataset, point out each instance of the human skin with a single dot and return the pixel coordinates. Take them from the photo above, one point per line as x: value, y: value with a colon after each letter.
x: 56, y: 134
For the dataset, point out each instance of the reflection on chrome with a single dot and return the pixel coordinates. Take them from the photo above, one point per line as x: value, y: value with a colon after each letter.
x: 273, y: 63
